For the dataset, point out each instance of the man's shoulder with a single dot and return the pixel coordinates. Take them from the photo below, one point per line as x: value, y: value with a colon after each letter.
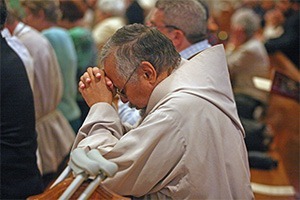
x: 32, y: 37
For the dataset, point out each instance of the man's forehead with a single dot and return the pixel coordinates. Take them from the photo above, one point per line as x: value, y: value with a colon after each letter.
x: 109, y: 67
x: 108, y: 61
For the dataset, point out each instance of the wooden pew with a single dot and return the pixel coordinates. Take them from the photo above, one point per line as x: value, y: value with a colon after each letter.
x: 101, y: 192
x: 276, y: 182
x: 283, y: 116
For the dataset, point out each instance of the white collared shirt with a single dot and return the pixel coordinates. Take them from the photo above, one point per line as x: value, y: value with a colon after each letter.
x: 194, y: 49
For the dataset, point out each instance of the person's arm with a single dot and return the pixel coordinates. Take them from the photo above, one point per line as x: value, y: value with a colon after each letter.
x: 143, y: 158
x: 102, y: 127
x: 97, y: 90
x: 138, y: 152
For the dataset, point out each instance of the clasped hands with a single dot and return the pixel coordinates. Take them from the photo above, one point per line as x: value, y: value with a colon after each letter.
x: 95, y: 87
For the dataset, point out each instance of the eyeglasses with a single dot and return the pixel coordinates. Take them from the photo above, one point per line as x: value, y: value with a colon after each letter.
x: 122, y: 91
x: 166, y: 26
x: 173, y: 27
x: 150, y: 24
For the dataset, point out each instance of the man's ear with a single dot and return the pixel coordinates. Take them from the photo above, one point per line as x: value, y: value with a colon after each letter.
x: 178, y: 37
x: 149, y: 72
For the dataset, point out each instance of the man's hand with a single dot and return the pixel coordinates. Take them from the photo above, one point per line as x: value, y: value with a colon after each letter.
x: 95, y: 87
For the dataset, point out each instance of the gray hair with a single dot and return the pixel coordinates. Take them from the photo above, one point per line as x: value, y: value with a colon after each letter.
x: 50, y: 8
x: 247, y: 19
x: 135, y: 43
x: 188, y: 15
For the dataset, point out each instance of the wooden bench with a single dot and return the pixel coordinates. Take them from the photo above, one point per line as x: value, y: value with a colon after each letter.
x: 101, y: 192
x: 275, y: 183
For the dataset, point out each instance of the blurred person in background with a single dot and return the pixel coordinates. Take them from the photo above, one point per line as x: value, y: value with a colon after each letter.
x: 55, y: 135
x: 20, y: 176
x: 135, y: 13
x: 273, y: 24
x: 85, y: 45
x: 288, y: 42
x: 109, y: 18
x: 246, y: 58
x: 89, y: 13
x: 21, y: 50
x: 43, y: 16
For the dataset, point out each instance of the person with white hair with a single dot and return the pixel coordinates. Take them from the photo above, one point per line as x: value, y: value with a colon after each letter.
x: 246, y: 56
x: 109, y: 18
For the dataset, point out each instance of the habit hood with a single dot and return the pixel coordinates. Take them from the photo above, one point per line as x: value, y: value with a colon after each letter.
x: 205, y: 75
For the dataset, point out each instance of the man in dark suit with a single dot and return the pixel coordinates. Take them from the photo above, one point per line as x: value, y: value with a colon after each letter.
x: 20, y: 176
x: 288, y: 43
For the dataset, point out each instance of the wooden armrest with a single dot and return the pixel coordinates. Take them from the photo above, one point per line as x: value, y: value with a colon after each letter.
x: 100, y: 193
x: 284, y: 65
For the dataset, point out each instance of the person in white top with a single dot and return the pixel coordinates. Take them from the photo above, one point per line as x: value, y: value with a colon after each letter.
x: 190, y: 143
x: 55, y: 135
x: 109, y: 18
x: 246, y: 55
